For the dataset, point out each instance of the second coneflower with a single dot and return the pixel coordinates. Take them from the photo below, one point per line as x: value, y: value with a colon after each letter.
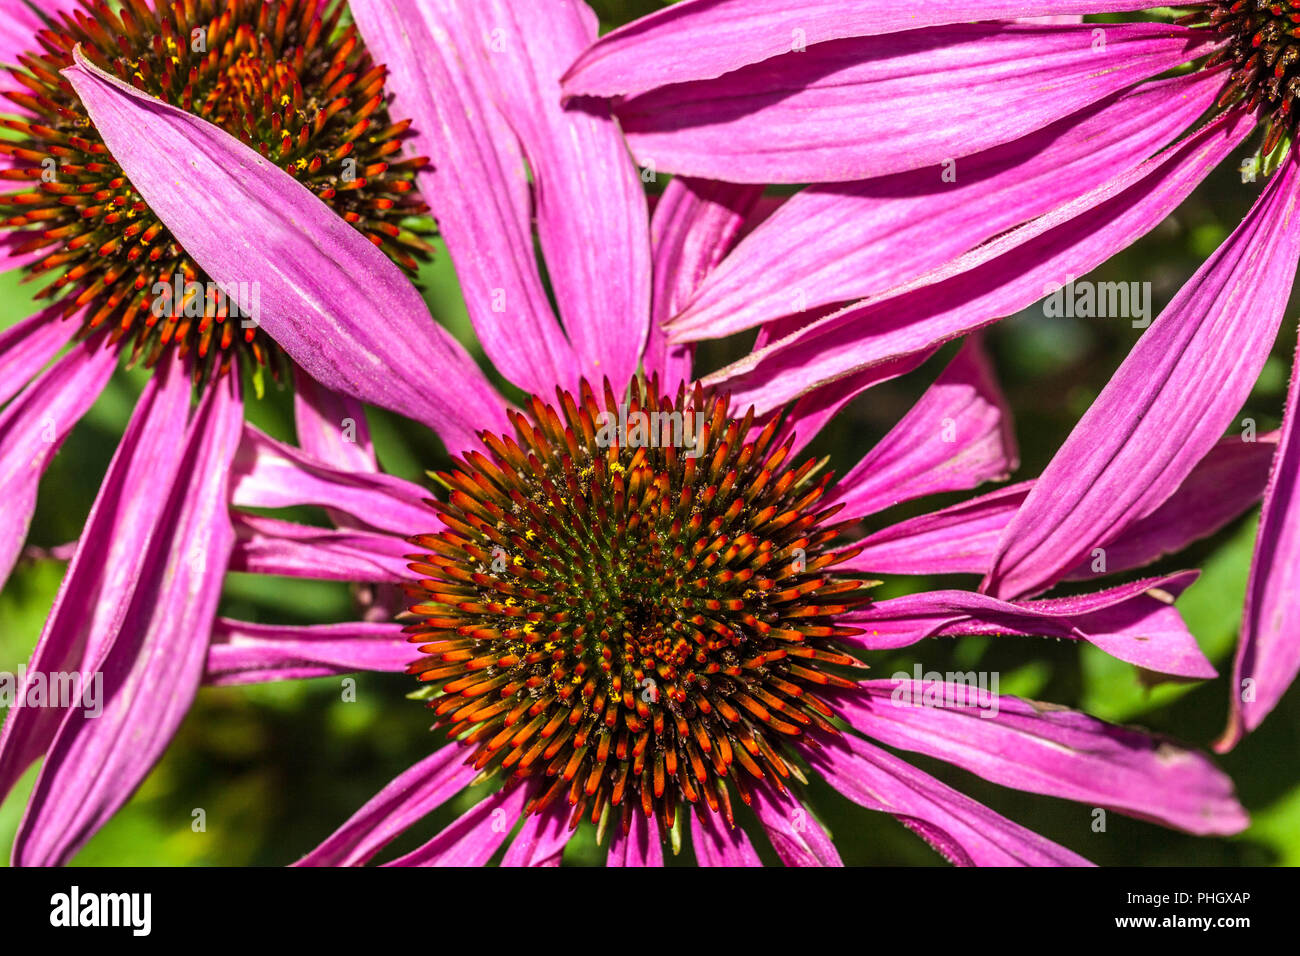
x: 1068, y: 141
x: 285, y: 132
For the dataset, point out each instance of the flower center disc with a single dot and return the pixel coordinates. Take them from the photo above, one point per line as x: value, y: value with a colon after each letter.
x: 632, y: 603
x: 1263, y: 49
x: 282, y: 76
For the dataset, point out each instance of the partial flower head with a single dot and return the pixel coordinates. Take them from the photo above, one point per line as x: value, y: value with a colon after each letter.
x: 1003, y: 157
x: 208, y: 189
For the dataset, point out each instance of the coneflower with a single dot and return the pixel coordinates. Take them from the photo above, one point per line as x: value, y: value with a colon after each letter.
x: 645, y: 627
x: 289, y: 141
x: 634, y: 603
x: 998, y: 159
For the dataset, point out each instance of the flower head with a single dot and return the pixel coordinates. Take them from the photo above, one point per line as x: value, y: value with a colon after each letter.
x: 209, y: 189
x: 1069, y: 141
x: 617, y: 626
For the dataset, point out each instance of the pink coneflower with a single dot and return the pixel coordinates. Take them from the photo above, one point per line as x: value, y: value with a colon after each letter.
x: 282, y: 256
x: 997, y: 159
x: 647, y: 635
x: 649, y: 632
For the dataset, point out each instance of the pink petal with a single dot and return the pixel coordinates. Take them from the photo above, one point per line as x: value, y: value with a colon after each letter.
x: 716, y: 844
x: 862, y: 107
x: 1134, y: 622
x: 271, y: 546
x: 417, y: 792
x: 1166, y: 406
x: 27, y: 346
x: 331, y: 426
x: 836, y: 243
x: 957, y: 436
x: 1268, y: 654
x: 271, y: 474
x: 542, y: 838
x: 995, y: 280
x: 1047, y: 749
x: 245, y: 653
x: 820, y: 405
x: 33, y: 427
x: 341, y: 309
x: 108, y: 564
x: 797, y: 837
x: 473, y: 838
x: 477, y: 181
x: 967, y: 833
x: 591, y: 208
x: 700, y: 39
x: 963, y: 539
x: 640, y: 846
x: 154, y: 664
x: 1226, y: 482
x: 694, y: 225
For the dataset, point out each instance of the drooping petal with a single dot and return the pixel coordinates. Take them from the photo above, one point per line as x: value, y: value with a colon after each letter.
x: 693, y: 227
x: 272, y: 546
x: 332, y: 300
x: 107, y: 565
x: 967, y: 833
x: 412, y: 795
x: 1268, y: 654
x: 242, y: 652
x: 819, y: 406
x: 1134, y: 622
x: 640, y: 846
x: 592, y: 219
x: 542, y: 838
x: 476, y: 184
x: 1166, y: 406
x: 955, y: 437
x: 837, y: 243
x: 473, y: 838
x: 862, y: 107
x: 716, y: 844
x: 1048, y: 749
x: 1226, y: 482
x: 33, y: 427
x: 995, y: 280
x: 963, y: 538
x: 270, y: 474
x: 797, y: 837
x: 701, y: 39
x: 27, y: 346
x: 153, y: 666
x: 331, y: 426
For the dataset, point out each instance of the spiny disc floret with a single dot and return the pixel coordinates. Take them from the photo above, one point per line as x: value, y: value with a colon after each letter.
x: 629, y: 616
x: 1262, y: 50
x: 282, y: 76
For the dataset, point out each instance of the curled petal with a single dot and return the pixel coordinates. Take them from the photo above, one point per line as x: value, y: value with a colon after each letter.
x: 245, y: 653
x: 1047, y: 749
x: 701, y: 39
x: 1134, y: 622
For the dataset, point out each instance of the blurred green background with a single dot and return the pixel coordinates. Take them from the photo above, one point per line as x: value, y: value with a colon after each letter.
x: 276, y: 768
